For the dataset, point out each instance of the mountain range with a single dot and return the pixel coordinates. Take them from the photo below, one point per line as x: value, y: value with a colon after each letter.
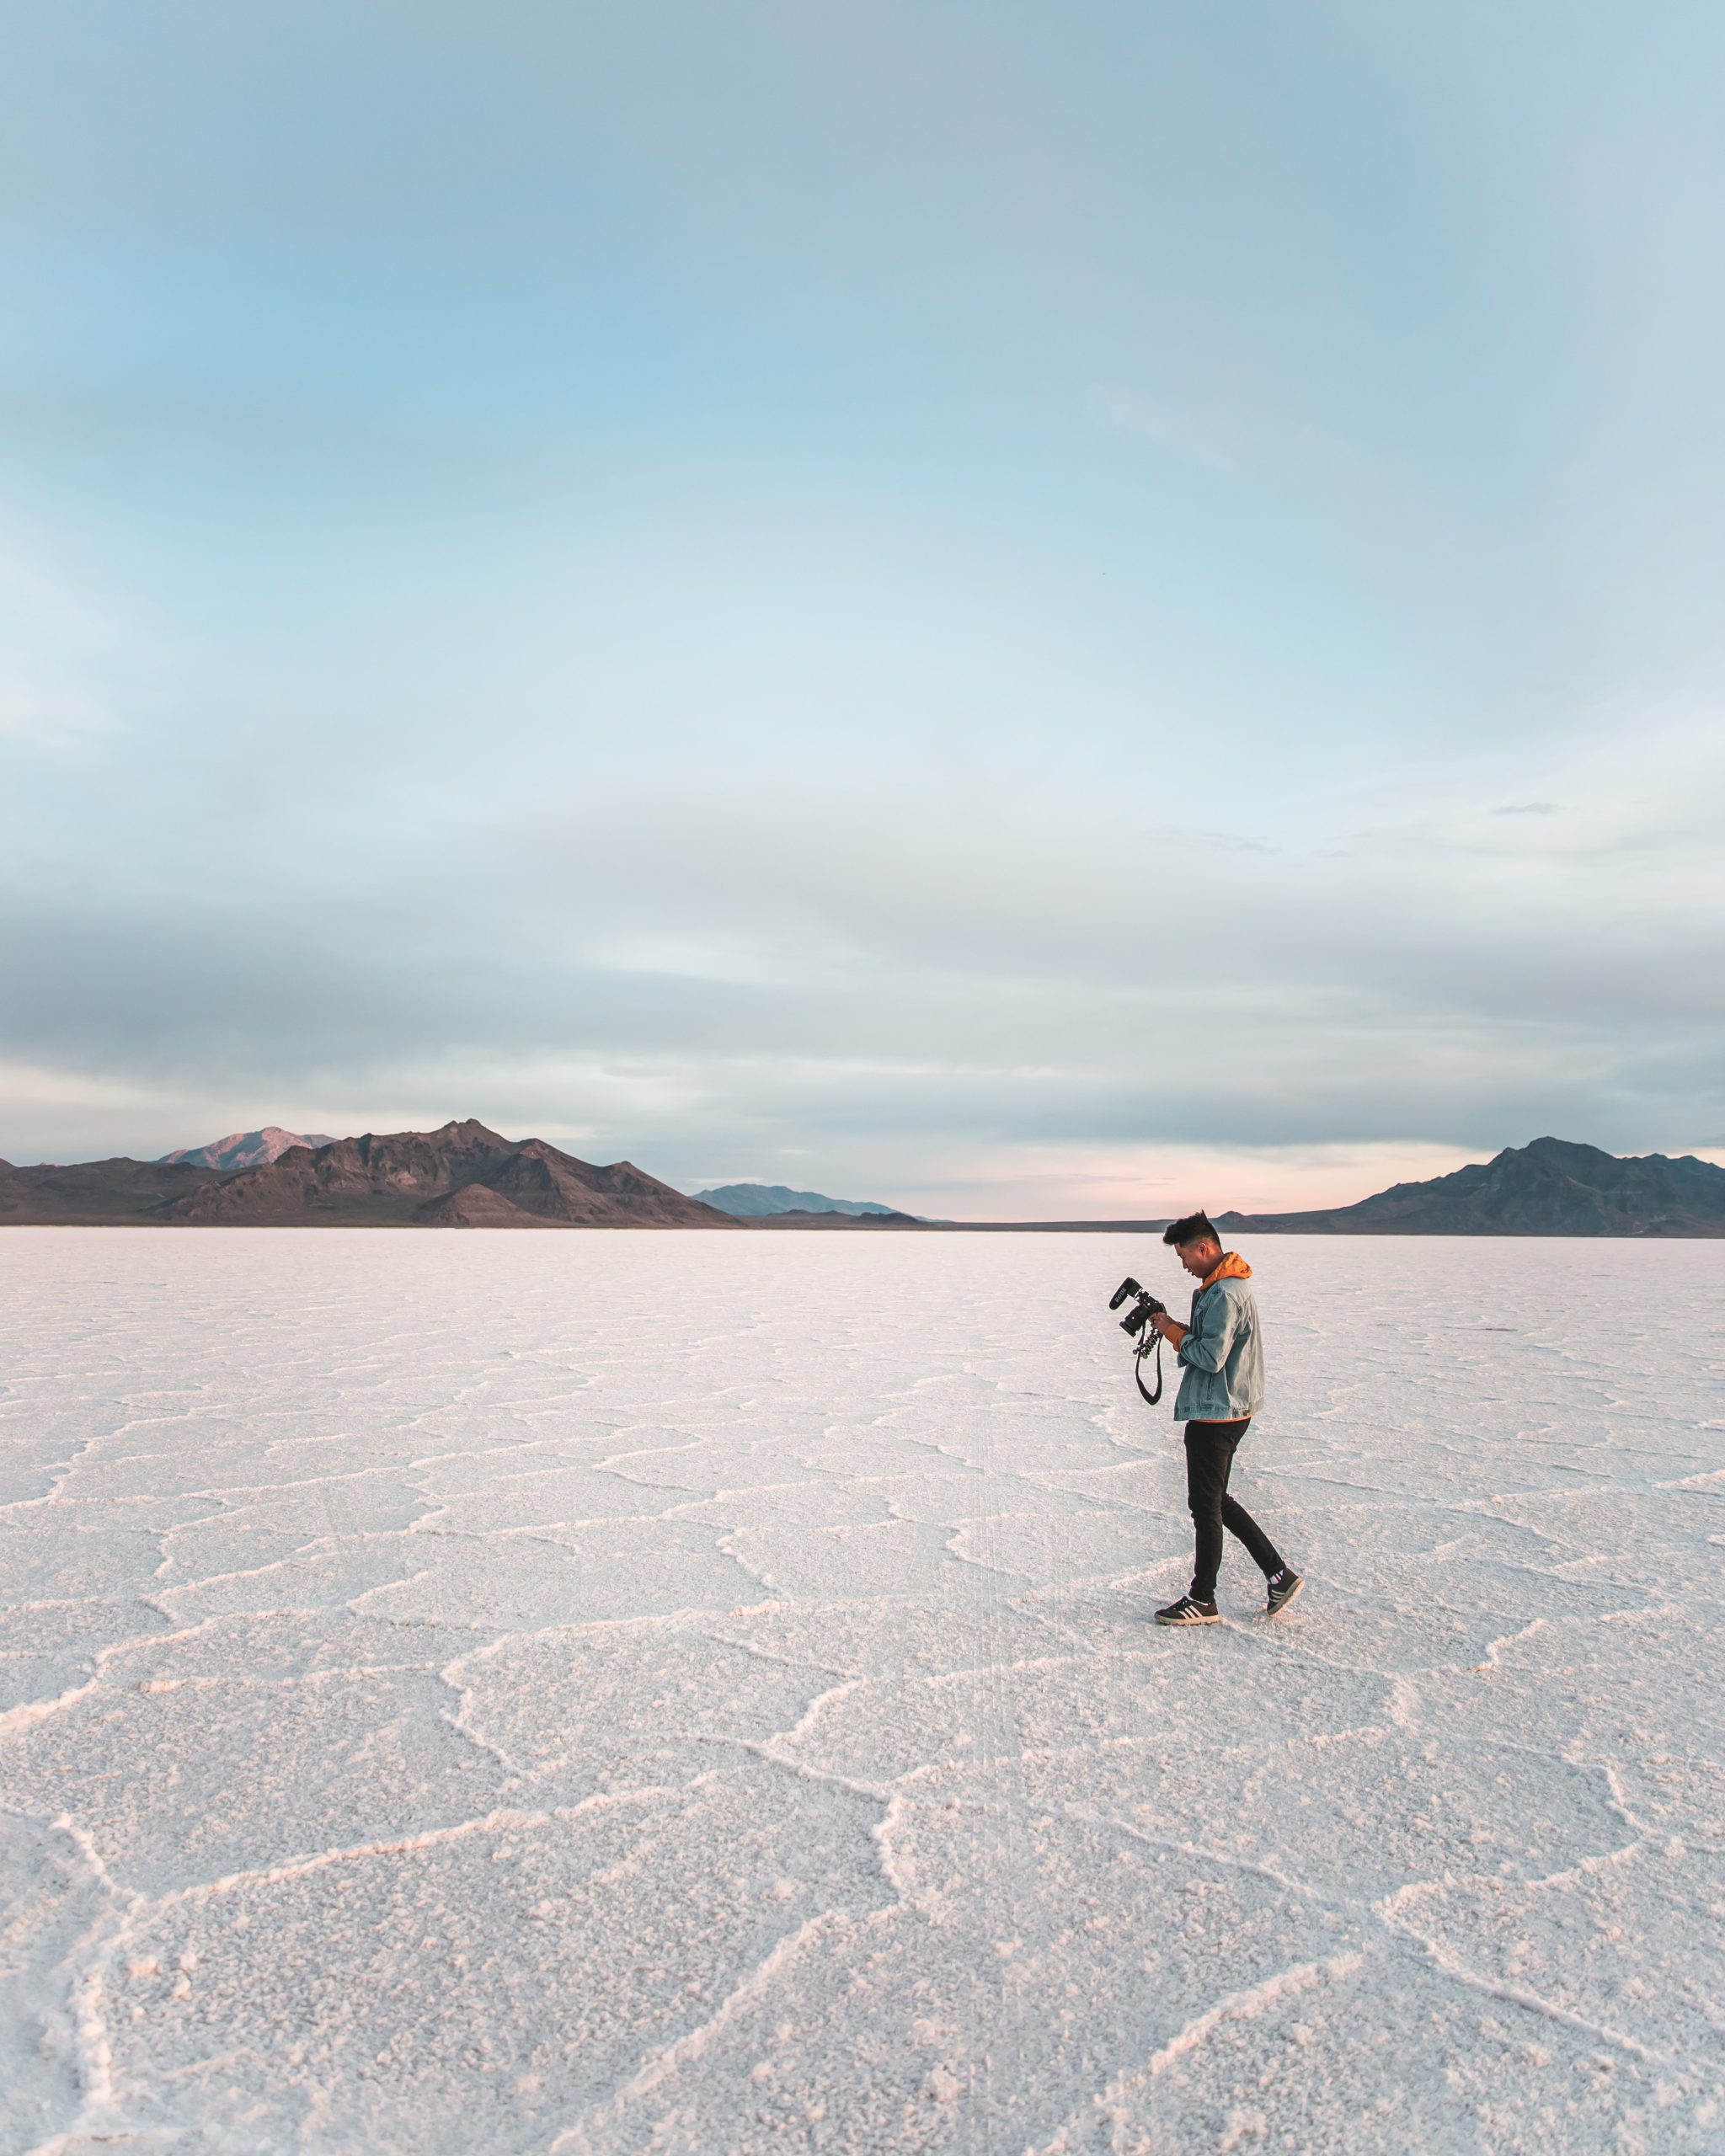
x: 465, y: 1175
x: 1549, y: 1188
x: 462, y: 1176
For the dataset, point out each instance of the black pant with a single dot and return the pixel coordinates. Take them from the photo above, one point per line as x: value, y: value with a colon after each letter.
x: 1210, y: 1453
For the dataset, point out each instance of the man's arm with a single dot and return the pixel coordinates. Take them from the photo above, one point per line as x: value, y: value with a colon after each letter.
x: 1170, y: 1328
x: 1204, y: 1345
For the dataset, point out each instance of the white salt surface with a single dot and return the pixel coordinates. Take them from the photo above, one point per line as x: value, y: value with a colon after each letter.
x: 590, y: 1694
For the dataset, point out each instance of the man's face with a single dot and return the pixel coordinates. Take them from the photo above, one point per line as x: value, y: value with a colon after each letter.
x: 1201, y: 1257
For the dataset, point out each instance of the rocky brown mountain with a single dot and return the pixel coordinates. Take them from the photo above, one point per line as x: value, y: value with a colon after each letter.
x: 1549, y: 1188
x: 374, y: 1177
x: 460, y: 1175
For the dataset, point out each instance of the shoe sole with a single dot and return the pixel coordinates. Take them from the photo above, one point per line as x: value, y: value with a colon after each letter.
x: 1292, y: 1595
x: 1177, y: 1624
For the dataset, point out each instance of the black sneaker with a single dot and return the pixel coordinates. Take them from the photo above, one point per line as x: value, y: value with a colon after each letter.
x: 1188, y: 1610
x: 1284, y: 1585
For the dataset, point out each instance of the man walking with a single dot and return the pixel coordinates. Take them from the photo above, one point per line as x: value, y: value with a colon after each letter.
x: 1221, y: 1389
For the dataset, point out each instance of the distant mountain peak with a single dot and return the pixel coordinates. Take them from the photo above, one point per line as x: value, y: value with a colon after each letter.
x: 759, y: 1201
x: 471, y: 1131
x: 246, y: 1148
x: 1563, y: 1149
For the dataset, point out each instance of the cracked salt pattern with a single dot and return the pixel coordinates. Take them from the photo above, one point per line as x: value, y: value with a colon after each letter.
x: 601, y: 1694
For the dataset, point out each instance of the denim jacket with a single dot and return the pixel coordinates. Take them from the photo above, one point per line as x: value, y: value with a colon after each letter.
x: 1221, y: 1358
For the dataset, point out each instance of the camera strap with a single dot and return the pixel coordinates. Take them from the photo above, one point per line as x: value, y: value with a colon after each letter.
x: 1151, y: 1398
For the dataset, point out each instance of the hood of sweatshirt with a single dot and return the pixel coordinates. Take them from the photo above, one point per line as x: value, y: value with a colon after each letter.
x: 1231, y: 1267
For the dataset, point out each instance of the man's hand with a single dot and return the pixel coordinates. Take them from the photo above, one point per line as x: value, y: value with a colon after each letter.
x: 1170, y: 1328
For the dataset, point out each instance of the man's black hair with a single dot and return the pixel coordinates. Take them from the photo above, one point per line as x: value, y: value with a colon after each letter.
x: 1195, y: 1228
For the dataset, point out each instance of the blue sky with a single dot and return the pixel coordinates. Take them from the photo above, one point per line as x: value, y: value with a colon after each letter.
x: 1016, y: 610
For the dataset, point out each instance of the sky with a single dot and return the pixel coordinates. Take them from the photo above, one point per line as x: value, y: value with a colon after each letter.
x: 1022, y: 611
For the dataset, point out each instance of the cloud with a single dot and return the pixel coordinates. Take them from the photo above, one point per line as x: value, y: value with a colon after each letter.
x: 688, y: 973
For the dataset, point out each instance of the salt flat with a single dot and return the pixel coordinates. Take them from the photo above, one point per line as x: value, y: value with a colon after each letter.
x: 590, y: 1694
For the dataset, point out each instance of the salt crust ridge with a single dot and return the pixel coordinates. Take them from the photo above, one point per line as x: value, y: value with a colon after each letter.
x: 451, y: 1708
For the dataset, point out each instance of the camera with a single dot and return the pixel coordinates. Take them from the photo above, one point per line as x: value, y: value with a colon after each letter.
x: 1143, y: 1309
x: 1137, y: 1326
